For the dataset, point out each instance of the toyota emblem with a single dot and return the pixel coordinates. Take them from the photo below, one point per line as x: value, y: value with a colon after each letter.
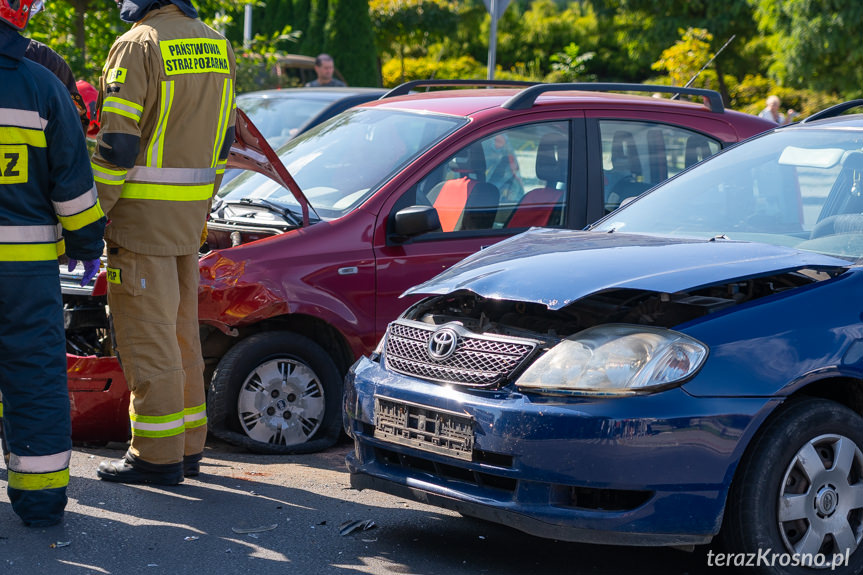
x: 442, y: 344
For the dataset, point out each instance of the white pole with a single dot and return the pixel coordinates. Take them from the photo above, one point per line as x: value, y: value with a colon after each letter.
x: 247, y: 26
x: 492, y: 41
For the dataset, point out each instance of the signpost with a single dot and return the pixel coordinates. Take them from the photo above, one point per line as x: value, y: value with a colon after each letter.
x: 496, y: 8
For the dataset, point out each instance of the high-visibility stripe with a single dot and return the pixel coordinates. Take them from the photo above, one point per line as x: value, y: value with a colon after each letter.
x: 157, y: 425
x: 30, y: 234
x: 108, y: 176
x: 1, y: 409
x: 167, y: 192
x: 40, y: 463
x: 13, y: 135
x: 123, y: 107
x: 195, y: 416
x: 78, y: 204
x: 143, y: 174
x: 157, y: 141
x: 87, y: 217
x: 31, y: 252
x: 22, y: 119
x: 38, y: 481
x: 225, y: 108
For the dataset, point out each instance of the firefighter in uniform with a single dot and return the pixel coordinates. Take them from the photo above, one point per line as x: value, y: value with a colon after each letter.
x: 47, y: 201
x: 167, y: 123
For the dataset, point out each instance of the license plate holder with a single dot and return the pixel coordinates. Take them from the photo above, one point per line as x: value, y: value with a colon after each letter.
x: 434, y: 430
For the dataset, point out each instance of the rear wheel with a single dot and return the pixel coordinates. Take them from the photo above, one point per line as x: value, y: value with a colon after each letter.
x: 276, y: 392
x: 798, y: 495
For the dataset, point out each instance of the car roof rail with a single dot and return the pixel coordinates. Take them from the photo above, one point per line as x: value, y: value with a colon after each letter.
x: 406, y: 88
x: 832, y: 111
x: 527, y: 97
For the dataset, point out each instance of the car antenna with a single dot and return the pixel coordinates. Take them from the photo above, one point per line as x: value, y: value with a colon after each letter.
x: 712, y: 58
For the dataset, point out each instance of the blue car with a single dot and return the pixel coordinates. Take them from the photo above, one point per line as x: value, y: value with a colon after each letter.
x: 689, y: 368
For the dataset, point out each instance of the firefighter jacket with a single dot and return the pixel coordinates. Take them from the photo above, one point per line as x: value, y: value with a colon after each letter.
x: 48, y: 200
x: 167, y: 123
x: 39, y: 52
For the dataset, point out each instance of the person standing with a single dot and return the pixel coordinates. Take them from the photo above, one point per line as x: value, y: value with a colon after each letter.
x: 771, y: 110
x: 167, y: 123
x: 46, y: 189
x: 325, y: 68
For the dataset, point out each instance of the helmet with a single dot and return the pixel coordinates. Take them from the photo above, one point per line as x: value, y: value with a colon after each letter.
x: 17, y: 13
x: 90, y: 96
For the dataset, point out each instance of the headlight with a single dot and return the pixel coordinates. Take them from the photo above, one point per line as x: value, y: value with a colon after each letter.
x: 615, y: 359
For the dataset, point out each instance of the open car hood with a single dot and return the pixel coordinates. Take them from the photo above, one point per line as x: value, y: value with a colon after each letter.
x: 558, y: 267
x: 250, y: 151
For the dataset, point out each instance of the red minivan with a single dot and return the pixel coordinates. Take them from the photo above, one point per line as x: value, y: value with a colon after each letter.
x: 305, y: 263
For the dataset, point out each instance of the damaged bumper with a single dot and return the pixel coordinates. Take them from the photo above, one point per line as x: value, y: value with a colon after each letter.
x: 640, y: 470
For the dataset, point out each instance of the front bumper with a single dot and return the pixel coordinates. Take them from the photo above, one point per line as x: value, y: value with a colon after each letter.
x: 641, y: 470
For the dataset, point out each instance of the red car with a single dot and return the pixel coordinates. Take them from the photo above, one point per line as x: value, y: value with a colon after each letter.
x: 302, y: 273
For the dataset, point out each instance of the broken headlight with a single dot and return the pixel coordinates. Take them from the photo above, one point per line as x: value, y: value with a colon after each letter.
x: 614, y: 360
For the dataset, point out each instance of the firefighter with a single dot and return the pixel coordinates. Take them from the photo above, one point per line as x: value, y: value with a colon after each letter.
x: 46, y: 189
x: 167, y: 114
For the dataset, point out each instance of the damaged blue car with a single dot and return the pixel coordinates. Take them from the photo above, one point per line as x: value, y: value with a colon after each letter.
x: 686, y: 369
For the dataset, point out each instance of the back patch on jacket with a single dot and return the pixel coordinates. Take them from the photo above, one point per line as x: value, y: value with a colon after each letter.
x: 195, y: 56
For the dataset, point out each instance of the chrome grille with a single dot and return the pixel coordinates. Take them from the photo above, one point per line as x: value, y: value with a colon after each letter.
x: 478, y: 360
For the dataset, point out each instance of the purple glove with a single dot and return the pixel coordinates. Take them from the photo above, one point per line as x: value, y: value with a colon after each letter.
x: 91, y: 268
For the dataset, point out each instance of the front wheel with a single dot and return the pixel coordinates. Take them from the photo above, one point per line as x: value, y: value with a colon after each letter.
x: 797, y: 501
x: 276, y: 392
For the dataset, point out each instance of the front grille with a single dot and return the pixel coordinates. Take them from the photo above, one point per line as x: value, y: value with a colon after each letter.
x: 478, y: 360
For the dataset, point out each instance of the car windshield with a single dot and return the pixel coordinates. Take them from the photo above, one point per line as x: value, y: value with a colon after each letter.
x: 280, y: 119
x: 796, y: 187
x: 341, y: 162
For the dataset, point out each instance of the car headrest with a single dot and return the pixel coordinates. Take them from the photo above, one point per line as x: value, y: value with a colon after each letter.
x: 470, y: 160
x: 624, y: 153
x: 551, y: 159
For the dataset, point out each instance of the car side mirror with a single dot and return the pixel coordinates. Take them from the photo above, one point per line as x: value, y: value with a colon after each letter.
x: 413, y: 221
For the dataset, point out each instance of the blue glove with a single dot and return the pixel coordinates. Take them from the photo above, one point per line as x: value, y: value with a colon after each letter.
x: 91, y: 268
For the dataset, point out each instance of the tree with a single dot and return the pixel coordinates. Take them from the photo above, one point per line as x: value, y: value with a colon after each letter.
x: 350, y: 41
x: 814, y: 44
x: 405, y: 27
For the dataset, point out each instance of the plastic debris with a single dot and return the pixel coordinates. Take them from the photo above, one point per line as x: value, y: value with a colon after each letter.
x: 254, y: 529
x: 349, y: 527
x: 60, y: 544
x: 191, y: 538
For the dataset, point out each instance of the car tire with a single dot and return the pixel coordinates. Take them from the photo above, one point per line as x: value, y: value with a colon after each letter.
x: 277, y: 393
x: 799, y: 488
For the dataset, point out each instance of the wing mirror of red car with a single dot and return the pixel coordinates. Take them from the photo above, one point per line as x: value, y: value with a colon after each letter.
x: 413, y: 221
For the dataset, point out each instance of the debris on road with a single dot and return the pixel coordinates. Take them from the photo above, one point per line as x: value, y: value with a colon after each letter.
x: 349, y: 527
x: 254, y: 529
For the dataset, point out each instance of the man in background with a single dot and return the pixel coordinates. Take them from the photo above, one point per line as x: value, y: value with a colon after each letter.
x: 325, y: 68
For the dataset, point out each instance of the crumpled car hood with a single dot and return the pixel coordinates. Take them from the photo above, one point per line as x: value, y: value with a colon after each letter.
x: 558, y: 267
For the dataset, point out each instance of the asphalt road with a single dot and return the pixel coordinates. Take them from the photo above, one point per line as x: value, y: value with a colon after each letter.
x: 291, y: 509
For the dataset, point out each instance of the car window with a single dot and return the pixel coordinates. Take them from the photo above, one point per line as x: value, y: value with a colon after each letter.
x: 341, y: 162
x: 280, y: 119
x: 793, y: 187
x: 514, y: 178
x: 638, y: 155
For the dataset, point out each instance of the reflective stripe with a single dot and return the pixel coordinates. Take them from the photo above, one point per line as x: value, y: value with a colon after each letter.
x: 123, y: 107
x: 30, y: 234
x: 195, y: 416
x: 77, y: 205
x: 87, y: 217
x: 224, y: 115
x: 38, y: 481
x: 1, y: 409
x: 108, y: 176
x: 157, y: 425
x: 40, y: 463
x: 157, y: 142
x: 141, y: 174
x: 167, y: 192
x: 22, y: 118
x: 12, y: 135
x: 31, y: 252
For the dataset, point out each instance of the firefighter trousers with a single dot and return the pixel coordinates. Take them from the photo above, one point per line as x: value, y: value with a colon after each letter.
x: 153, y: 301
x: 36, y: 419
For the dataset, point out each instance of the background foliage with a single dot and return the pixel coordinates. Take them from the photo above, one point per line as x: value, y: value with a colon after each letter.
x: 806, y: 52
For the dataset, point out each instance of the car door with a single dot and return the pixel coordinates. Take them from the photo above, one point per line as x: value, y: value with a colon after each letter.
x: 491, y: 188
